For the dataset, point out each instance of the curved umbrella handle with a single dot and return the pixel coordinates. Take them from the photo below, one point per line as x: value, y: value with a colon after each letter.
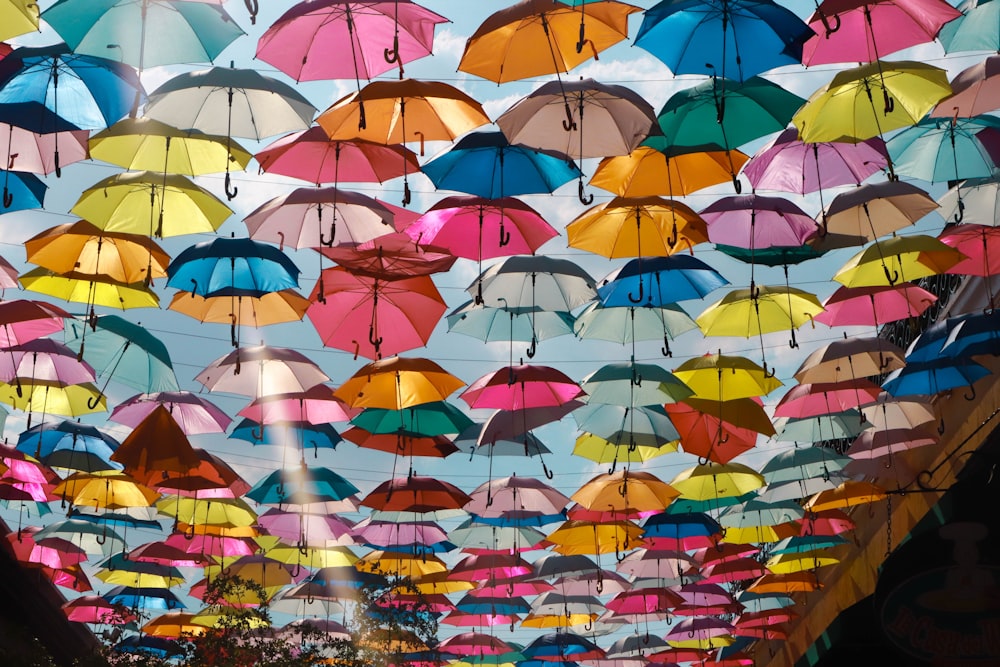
x: 890, y: 104
x: 8, y: 198
x: 792, y: 343
x: 768, y: 373
x: 253, y: 7
x: 568, y: 123
x: 584, y: 198
x: 406, y: 193
x: 257, y: 434
x: 892, y: 277
x: 534, y: 347
x: 583, y: 34
x: 637, y: 299
x: 504, y: 235
x: 392, y: 55
x: 189, y: 532
x: 376, y: 342
x: 548, y: 473
x: 672, y: 240
x: 231, y: 190
x: 636, y: 378
x: 961, y: 210
x: 92, y: 402
x: 55, y: 157
x: 970, y: 396
x: 303, y: 549
x: 737, y: 184
x: 333, y: 234
x: 828, y: 27
x: 665, y: 350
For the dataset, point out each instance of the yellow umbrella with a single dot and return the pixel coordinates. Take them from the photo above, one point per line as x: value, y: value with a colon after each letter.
x: 400, y: 564
x: 759, y: 534
x: 755, y: 312
x: 867, y: 101
x: 91, y: 289
x: 799, y: 562
x: 174, y: 624
x: 396, y: 383
x: 846, y: 494
x: 626, y: 491
x: 117, y: 577
x: 709, y: 481
x: 540, y: 37
x: 647, y: 172
x: 105, y: 489
x: 312, y: 557
x: 897, y: 259
x: 438, y: 582
x: 563, y: 620
x: 576, y: 537
x: 18, y: 17
x: 637, y: 227
x: 219, y: 616
x: 266, y: 572
x: 219, y: 512
x: 721, y: 377
x: 51, y: 398
x: 599, y: 450
x: 83, y: 248
x: 149, y: 145
x: 150, y: 203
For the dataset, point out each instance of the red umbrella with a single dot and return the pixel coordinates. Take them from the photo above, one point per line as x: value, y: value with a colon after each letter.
x: 981, y: 246
x: 812, y: 399
x: 310, y: 155
x: 155, y: 447
x: 492, y: 568
x: 473, y: 644
x: 371, y: 316
x: 719, y: 430
x: 194, y: 414
x: 525, y: 386
x: 875, y: 305
x: 211, y: 477
x: 644, y: 601
x: 391, y: 257
x: 415, y: 494
x: 402, y: 443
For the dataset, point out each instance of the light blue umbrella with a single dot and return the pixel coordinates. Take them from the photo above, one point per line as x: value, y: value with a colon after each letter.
x: 485, y: 164
x: 226, y: 267
x: 508, y: 324
x: 977, y: 30
x: 69, y: 444
x: 21, y: 191
x: 627, y: 324
x: 643, y: 426
x: 658, y: 281
x: 144, y: 33
x: 945, y: 149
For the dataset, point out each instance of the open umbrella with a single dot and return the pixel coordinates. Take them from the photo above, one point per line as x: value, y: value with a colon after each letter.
x: 222, y: 267
x: 637, y: 227
x: 193, y: 413
x: 673, y: 171
x: 19, y: 17
x: 261, y: 370
x: 397, y: 383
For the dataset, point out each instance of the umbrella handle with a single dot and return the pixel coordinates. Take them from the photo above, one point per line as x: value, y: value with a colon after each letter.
x: 829, y: 27
x: 961, y: 211
x: 406, y: 193
x: 362, y: 120
x: 584, y: 198
x: 893, y: 277
x: 8, y: 197
x: 665, y: 350
x: 504, y: 236
x: 257, y: 434
x: 55, y: 157
x: 568, y: 123
x: 792, y: 343
x: 376, y: 342
x: 392, y: 55
x: 940, y: 428
x: 737, y: 185
x: 890, y: 104
x: 231, y: 190
x: 93, y: 401
x: 333, y: 234
x: 534, y: 347
x: 637, y: 299
x: 636, y: 378
x: 253, y: 7
x: 970, y: 396
x: 768, y: 373
x: 548, y: 473
x: 189, y: 532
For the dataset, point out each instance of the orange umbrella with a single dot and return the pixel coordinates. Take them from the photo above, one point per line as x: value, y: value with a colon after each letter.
x: 397, y: 383
x: 156, y: 444
x: 719, y: 430
x: 647, y: 172
x: 629, y: 492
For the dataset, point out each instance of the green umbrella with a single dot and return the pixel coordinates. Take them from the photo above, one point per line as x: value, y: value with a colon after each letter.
x: 427, y: 419
x: 118, y: 348
x: 725, y: 113
x: 503, y: 324
x: 847, y: 424
x: 632, y: 384
x: 626, y: 324
x: 643, y: 426
x: 801, y: 463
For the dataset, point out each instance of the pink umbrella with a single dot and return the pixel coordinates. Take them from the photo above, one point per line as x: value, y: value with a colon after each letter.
x: 492, y: 568
x: 25, y: 319
x: 194, y: 414
x: 315, y: 217
x: 213, y: 545
x: 875, y: 305
x: 8, y: 275
x: 516, y: 498
x: 307, y: 530
x: 668, y: 565
x: 344, y: 39
x: 316, y: 405
x: 95, y: 609
x: 391, y: 533
x: 810, y: 400
x: 874, y: 443
x: 44, y: 359
x: 310, y: 155
x: 728, y: 572
x: 756, y: 221
x: 974, y: 91
x: 372, y: 317
x: 24, y: 150
x: 503, y: 227
x: 525, y: 386
x: 644, y: 601
x: 864, y: 31
x: 786, y: 164
x: 56, y: 553
x: 466, y: 620
x: 981, y: 246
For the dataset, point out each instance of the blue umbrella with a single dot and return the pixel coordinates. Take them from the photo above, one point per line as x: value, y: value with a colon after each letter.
x: 158, y: 647
x: 927, y: 378
x: 493, y: 606
x: 224, y: 267
x: 22, y: 191
x: 681, y: 526
x: 644, y: 426
x: 143, y: 598
x: 185, y: 32
x: 562, y: 646
x: 485, y: 164
x: 706, y: 36
x: 976, y: 334
x: 945, y: 149
x: 317, y: 436
x: 89, y: 92
x: 659, y: 281
x: 69, y: 444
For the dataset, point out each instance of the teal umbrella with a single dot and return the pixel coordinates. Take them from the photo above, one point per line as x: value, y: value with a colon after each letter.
x: 427, y: 419
x: 945, y: 149
x: 725, y: 113
x: 802, y: 463
x: 633, y: 384
x: 623, y: 325
x: 301, y: 485
x: 644, y: 426
x: 847, y: 424
x: 514, y: 324
x: 182, y: 32
x: 119, y: 349
x: 975, y: 30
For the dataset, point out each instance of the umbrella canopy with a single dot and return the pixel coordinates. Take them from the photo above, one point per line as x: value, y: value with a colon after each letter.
x: 900, y: 258
x: 397, y: 383
x: 27, y: 151
x: 946, y: 149
x: 222, y: 266
x: 193, y: 413
x: 261, y: 370
x: 648, y: 172
x: 615, y: 228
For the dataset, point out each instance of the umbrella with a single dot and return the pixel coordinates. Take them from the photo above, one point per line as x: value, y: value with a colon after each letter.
x: 25, y: 320
x: 156, y: 444
x: 486, y: 164
x: 429, y: 419
x: 354, y: 218
x: 972, y: 30
x: 193, y: 413
x: 147, y: 144
x: 648, y: 172
x: 945, y: 149
x: 724, y: 113
x: 851, y: 31
x: 44, y: 359
x: 534, y: 281
x: 704, y: 37
x: 435, y: 111
x: 562, y: 647
x: 343, y: 39
x: 69, y: 445
x: 900, y: 258
x: 222, y: 267
x: 845, y: 109
x: 397, y: 383
x: 317, y: 405
x: 312, y: 156
x: 242, y: 307
x: 281, y: 433
x: 19, y: 17
x: 719, y: 430
x: 372, y: 316
x: 811, y: 399
x: 300, y: 485
x: 391, y: 256
x: 34, y: 152
x: 93, y: 289
x: 624, y: 324
x: 22, y: 191
x: 615, y: 228
x: 105, y: 489
x: 758, y: 222
x: 524, y: 386
x: 198, y: 31
x: 628, y: 493
x: 849, y: 359
x: 415, y: 494
x: 633, y: 384
x: 725, y: 377
x: 875, y: 305
x: 538, y: 37
x: 150, y: 203
x: 873, y: 210
x: 261, y: 370
x: 973, y: 91
x: 502, y: 324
